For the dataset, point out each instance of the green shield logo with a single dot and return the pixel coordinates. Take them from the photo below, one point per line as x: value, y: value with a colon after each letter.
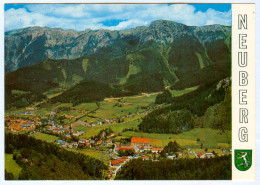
x: 243, y: 159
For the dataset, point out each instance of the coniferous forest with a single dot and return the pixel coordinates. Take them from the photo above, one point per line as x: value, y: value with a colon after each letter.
x: 218, y: 168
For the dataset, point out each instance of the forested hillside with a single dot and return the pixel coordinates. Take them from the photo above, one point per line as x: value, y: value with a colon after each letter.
x: 207, y: 106
x: 218, y: 168
x: 45, y: 161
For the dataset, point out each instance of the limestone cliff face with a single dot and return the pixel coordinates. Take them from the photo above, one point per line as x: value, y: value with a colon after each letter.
x: 28, y: 46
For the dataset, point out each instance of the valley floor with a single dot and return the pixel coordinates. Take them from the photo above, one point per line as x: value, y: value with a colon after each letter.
x: 80, y: 128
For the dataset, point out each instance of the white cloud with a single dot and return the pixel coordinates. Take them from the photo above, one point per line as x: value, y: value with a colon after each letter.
x: 128, y: 24
x: 83, y: 16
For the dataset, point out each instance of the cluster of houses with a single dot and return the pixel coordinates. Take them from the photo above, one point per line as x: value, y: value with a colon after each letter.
x: 113, y: 120
x: 17, y: 124
x: 139, y: 145
x: 85, y: 143
x: 65, y: 144
x: 67, y: 130
x: 91, y: 142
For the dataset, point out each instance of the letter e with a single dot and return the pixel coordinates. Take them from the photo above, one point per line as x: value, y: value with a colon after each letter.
x: 242, y: 97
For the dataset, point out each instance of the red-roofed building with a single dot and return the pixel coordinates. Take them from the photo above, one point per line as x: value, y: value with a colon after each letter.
x: 56, y: 130
x: 112, y: 134
x: 125, y: 147
x: 84, y: 142
x: 140, y: 141
x: 201, y: 155
x: 117, y: 162
x: 145, y: 158
x: 157, y: 150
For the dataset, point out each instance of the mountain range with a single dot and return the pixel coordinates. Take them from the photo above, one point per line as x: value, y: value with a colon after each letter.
x: 142, y: 59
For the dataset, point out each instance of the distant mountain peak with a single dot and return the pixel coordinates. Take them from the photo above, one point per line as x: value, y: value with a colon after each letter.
x: 162, y: 22
x: 31, y: 45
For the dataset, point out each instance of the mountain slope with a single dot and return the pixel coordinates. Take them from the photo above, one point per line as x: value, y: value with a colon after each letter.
x: 142, y: 59
x: 207, y: 106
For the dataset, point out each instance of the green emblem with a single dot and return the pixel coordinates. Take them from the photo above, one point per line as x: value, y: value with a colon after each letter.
x: 243, y: 159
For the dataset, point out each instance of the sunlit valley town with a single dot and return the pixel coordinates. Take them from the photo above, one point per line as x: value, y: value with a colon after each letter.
x: 148, y: 103
x: 109, y: 131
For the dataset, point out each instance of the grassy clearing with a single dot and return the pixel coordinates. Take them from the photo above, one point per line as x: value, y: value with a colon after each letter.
x: 83, y: 128
x: 118, y: 127
x: 19, y: 93
x: 90, y: 119
x: 202, y: 65
x: 224, y: 145
x: 176, y: 93
x: 186, y: 142
x: 109, y: 110
x: 156, y: 142
x: 86, y: 106
x: 45, y: 137
x: 12, y: 166
x: 132, y: 70
x: 120, y: 137
x: 69, y: 113
x: 52, y: 93
x: 100, y: 155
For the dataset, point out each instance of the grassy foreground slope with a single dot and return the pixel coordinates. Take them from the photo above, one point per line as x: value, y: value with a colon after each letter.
x: 40, y: 160
x: 12, y: 166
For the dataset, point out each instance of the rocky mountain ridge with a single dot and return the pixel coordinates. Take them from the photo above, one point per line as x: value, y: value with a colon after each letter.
x: 32, y: 45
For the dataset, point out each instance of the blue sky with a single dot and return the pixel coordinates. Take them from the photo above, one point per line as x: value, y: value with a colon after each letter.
x: 112, y: 16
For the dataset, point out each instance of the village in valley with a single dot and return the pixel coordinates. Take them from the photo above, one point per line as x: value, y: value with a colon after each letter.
x: 113, y: 140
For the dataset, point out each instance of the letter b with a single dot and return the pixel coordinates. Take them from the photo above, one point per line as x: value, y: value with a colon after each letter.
x: 243, y: 81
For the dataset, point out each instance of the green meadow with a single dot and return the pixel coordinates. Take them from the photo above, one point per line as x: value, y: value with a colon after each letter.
x: 45, y: 137
x: 182, y: 92
x: 100, y: 155
x: 12, y: 166
x: 117, y: 128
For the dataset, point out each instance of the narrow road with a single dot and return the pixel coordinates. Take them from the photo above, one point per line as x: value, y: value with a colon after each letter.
x: 141, y: 96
